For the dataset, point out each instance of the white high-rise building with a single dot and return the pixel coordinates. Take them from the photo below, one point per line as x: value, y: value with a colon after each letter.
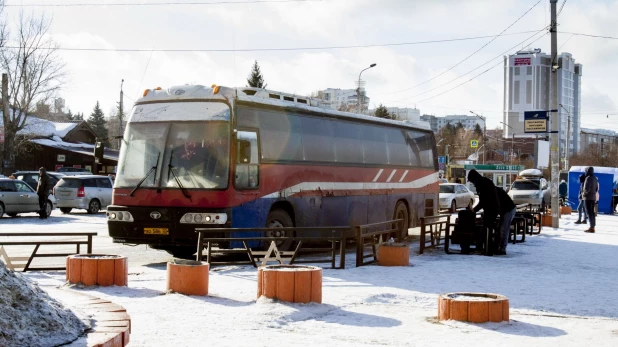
x: 344, y: 99
x: 527, y: 88
x: 405, y: 113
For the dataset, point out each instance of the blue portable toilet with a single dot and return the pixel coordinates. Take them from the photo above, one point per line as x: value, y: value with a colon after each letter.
x: 607, y: 176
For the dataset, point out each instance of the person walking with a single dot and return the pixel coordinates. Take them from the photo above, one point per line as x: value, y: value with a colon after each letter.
x: 488, y: 201
x: 42, y: 190
x: 562, y: 191
x: 507, y: 212
x: 591, y: 188
x: 581, y: 208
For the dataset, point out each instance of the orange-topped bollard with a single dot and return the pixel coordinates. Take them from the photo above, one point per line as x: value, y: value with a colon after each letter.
x: 291, y: 283
x: 394, y: 254
x: 187, y: 277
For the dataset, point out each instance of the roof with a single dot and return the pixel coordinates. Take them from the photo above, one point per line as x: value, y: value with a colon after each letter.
x: 81, y: 148
x: 44, y: 128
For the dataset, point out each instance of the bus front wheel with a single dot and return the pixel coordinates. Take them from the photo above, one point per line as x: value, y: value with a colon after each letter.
x: 401, y: 212
x: 279, y: 219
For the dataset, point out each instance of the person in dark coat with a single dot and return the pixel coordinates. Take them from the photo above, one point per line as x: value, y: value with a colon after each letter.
x: 42, y: 190
x: 591, y: 188
x: 581, y: 208
x: 488, y: 201
x: 507, y: 212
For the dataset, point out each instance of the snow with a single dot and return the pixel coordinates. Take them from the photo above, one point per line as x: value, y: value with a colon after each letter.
x: 30, y: 317
x: 560, y: 284
x: 44, y: 128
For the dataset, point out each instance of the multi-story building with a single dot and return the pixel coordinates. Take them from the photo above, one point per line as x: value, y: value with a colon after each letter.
x: 405, y: 113
x: 344, y: 99
x: 468, y: 122
x: 527, y: 82
x: 604, y: 139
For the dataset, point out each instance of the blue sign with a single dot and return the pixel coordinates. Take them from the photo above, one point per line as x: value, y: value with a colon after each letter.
x: 535, y: 121
x: 441, y: 159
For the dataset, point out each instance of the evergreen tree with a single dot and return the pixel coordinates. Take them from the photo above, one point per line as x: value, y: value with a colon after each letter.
x: 255, y: 78
x: 459, y: 126
x: 70, y: 115
x: 97, y: 123
x: 78, y: 116
x: 382, y: 112
x: 478, y: 131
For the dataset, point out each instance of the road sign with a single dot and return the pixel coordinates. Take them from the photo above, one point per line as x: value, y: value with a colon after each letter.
x: 442, y: 166
x: 535, y: 121
x: 474, y: 143
x: 441, y: 159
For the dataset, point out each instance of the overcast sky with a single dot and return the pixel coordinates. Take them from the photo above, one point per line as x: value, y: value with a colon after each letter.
x: 405, y: 75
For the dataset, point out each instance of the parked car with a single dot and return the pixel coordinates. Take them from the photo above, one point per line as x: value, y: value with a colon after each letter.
x: 32, y: 179
x: 455, y: 195
x: 89, y: 192
x: 74, y: 171
x: 530, y: 188
x: 16, y: 196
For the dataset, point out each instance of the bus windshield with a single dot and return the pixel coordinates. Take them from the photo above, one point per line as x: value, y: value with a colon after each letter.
x: 186, y: 154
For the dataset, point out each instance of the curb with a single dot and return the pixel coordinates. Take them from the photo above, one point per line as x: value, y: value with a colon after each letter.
x: 111, y: 324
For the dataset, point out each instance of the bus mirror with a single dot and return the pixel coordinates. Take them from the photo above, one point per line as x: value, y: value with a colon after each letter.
x: 244, y: 151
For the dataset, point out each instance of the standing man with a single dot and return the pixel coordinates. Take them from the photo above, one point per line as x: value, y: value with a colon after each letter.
x: 581, y: 208
x: 591, y: 188
x: 507, y: 212
x: 488, y: 201
x: 42, y: 190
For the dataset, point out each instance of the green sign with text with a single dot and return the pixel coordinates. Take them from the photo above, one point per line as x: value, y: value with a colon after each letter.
x: 495, y: 167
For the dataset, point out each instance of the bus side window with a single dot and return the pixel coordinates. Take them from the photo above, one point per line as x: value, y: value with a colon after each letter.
x: 247, y: 165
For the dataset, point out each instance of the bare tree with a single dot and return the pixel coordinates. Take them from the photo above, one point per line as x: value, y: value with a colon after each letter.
x: 35, y: 73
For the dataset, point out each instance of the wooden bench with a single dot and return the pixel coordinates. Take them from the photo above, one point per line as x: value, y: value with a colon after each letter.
x: 432, y: 230
x: 13, y: 263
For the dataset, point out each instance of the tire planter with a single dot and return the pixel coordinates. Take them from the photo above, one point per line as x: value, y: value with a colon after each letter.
x: 97, y: 269
x: 546, y: 220
x: 291, y: 283
x: 394, y: 254
x: 187, y: 277
x: 473, y: 307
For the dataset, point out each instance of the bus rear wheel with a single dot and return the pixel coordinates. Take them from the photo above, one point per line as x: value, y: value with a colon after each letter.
x: 279, y: 219
x: 401, y: 212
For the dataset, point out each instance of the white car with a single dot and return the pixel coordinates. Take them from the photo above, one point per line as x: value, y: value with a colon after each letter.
x: 529, y: 191
x: 454, y: 196
x: 88, y: 192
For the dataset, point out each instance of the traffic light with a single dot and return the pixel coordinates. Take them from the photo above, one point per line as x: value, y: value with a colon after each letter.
x: 98, y: 152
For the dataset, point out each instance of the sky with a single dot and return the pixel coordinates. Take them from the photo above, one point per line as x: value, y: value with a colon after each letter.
x: 440, y: 78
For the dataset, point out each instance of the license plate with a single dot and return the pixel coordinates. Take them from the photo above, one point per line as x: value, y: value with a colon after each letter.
x: 65, y: 193
x: 156, y: 231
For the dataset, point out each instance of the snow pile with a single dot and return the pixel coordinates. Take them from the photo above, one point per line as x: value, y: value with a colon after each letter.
x: 29, y: 317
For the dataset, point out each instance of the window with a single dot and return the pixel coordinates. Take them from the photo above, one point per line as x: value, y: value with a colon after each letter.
x: 399, y: 151
x: 374, y: 144
x: 90, y: 183
x: 104, y: 183
x: 517, y: 71
x: 281, y: 136
x: 318, y: 142
x: 348, y: 146
x: 23, y: 187
x: 529, y: 70
x: 247, y: 170
x: 528, y: 91
x: 516, y: 90
x: 7, y: 186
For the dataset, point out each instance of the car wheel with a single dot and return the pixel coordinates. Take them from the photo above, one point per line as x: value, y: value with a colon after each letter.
x: 48, y: 208
x: 12, y: 214
x: 1, y: 210
x: 401, y: 212
x: 453, y: 207
x: 66, y: 210
x: 279, y: 219
x: 94, y: 206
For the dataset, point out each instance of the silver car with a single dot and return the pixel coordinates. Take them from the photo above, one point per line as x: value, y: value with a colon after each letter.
x: 17, y: 196
x: 88, y: 192
x: 454, y: 196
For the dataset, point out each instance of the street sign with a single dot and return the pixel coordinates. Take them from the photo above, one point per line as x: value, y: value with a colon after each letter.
x: 441, y: 159
x: 442, y: 166
x: 474, y: 143
x: 535, y: 121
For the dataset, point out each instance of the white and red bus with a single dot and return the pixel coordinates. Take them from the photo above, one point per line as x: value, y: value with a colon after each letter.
x: 194, y: 156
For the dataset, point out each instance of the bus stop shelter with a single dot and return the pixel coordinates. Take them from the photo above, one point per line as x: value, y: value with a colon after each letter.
x: 499, y: 174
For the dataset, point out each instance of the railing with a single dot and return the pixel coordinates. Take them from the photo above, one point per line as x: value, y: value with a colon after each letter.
x: 434, y: 227
x: 26, y: 267
x: 364, y: 232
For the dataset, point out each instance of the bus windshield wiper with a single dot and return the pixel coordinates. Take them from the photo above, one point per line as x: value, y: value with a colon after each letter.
x: 154, y: 168
x: 171, y: 168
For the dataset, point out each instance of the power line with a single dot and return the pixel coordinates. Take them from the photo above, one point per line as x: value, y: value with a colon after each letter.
x: 469, y: 56
x: 478, y: 67
x: 273, y: 48
x: 162, y: 3
x: 560, y: 10
x: 590, y: 35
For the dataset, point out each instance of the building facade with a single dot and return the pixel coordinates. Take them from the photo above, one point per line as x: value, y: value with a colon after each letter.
x: 344, y: 99
x: 405, y: 113
x: 605, y: 139
x: 527, y: 83
x: 436, y: 123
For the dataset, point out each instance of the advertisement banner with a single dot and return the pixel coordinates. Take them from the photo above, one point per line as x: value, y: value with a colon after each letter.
x: 522, y: 61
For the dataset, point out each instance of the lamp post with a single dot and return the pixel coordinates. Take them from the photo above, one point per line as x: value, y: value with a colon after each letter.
x: 358, y: 90
x: 484, y: 130
x: 512, y: 150
x: 477, y: 153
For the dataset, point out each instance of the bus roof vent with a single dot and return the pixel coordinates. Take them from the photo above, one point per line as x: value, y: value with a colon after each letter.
x: 274, y: 96
x: 249, y: 91
x: 302, y: 101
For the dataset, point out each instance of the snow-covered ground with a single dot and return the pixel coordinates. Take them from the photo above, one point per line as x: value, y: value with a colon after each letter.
x: 561, y: 285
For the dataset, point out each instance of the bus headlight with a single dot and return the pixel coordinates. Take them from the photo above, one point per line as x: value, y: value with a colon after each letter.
x: 120, y: 216
x: 203, y: 218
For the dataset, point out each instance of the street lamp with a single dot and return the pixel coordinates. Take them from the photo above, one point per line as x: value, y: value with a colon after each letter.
x: 484, y: 130
x: 358, y: 93
x: 512, y: 142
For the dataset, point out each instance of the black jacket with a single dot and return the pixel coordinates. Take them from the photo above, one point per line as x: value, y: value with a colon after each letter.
x: 506, y: 203
x: 486, y: 190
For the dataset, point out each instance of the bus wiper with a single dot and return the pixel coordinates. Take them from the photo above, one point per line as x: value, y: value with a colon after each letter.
x: 148, y: 174
x: 170, y: 168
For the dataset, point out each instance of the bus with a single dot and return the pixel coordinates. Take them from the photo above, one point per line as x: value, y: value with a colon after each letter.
x: 218, y: 157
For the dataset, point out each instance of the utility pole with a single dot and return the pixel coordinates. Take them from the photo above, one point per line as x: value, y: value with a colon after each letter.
x: 446, y: 160
x: 120, y: 115
x: 5, y: 115
x: 555, y: 126
x: 568, y: 135
x: 358, y: 90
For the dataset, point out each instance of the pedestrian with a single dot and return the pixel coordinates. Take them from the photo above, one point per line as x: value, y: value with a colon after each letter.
x: 563, y: 190
x: 615, y: 198
x: 591, y: 188
x: 507, y: 212
x: 581, y: 208
x: 488, y: 201
x: 42, y: 190
x: 458, y: 180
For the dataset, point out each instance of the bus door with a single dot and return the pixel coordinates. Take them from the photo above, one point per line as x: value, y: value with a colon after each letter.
x: 246, y: 181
